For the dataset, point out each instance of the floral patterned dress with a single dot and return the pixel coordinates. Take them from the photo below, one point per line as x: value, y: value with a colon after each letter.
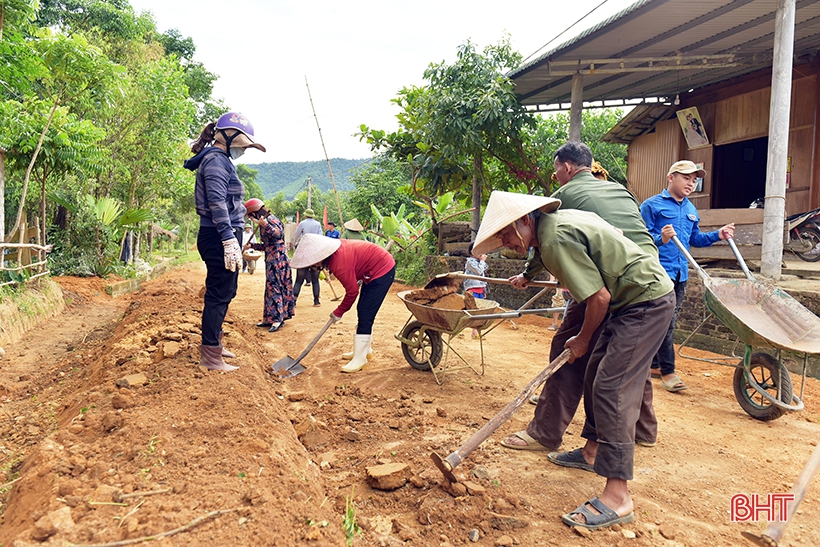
x: 279, y: 301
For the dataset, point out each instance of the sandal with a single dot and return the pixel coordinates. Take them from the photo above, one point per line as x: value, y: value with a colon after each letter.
x: 531, y: 445
x: 607, y: 516
x: 573, y: 458
x: 275, y: 327
x: 674, y: 384
x: 656, y: 373
x: 264, y: 324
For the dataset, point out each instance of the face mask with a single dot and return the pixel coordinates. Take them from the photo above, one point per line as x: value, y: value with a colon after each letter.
x: 236, y: 152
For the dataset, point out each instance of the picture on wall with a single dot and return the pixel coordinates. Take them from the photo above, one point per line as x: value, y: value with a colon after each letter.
x: 692, y: 127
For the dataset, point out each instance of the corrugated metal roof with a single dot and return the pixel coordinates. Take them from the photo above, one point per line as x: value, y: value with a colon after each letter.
x: 653, y: 38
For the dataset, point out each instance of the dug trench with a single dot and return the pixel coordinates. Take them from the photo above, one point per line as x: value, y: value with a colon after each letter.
x: 110, y: 432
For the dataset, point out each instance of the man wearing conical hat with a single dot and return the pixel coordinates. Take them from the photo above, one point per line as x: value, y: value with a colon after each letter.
x: 610, y: 274
x: 561, y: 395
x: 354, y: 229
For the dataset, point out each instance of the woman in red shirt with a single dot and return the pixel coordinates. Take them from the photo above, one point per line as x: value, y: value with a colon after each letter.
x: 352, y: 262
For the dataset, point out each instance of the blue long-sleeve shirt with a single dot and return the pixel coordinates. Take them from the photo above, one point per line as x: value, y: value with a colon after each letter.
x: 662, y: 209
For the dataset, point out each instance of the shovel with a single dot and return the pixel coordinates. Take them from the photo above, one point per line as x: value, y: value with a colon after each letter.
x: 773, y: 533
x: 288, y: 367
x: 446, y: 465
x: 335, y: 297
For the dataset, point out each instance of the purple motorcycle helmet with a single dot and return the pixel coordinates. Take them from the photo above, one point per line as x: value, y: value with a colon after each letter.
x: 244, y: 136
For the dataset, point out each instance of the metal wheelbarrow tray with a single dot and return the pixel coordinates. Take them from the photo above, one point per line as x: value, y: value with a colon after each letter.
x: 421, y: 337
x: 764, y: 316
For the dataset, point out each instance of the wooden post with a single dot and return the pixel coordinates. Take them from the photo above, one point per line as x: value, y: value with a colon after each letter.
x: 576, y: 107
x: 774, y: 212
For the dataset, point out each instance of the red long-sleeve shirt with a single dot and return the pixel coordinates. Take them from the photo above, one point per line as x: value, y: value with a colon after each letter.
x: 356, y: 261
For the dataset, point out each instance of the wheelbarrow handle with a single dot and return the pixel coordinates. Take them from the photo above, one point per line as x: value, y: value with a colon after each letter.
x: 446, y: 465
x: 502, y: 281
x: 701, y: 272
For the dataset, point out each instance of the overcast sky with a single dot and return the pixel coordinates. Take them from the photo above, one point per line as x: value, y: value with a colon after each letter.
x: 356, y: 56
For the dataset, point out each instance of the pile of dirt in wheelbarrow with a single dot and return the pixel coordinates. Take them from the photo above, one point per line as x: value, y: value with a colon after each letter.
x: 443, y: 298
x: 293, y: 462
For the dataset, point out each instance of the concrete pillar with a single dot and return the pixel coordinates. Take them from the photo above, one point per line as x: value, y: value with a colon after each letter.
x: 774, y: 212
x: 576, y: 107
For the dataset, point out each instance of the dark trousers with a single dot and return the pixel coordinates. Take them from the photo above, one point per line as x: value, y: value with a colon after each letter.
x: 312, y: 276
x: 371, y: 296
x: 220, y: 283
x: 616, y: 379
x: 665, y: 358
x: 562, y: 392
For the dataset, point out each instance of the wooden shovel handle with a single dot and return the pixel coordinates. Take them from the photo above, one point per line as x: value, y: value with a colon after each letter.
x: 489, y: 428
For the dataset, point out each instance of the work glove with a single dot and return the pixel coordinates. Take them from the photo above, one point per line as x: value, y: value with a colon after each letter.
x: 233, y: 254
x: 335, y: 317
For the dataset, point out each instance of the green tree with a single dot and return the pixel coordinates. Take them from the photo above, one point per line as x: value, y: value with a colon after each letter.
x: 467, y: 113
x: 74, y: 68
x: 552, y: 131
x: 383, y: 183
x: 248, y: 178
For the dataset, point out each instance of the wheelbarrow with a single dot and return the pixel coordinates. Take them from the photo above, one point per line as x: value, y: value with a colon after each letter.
x: 251, y: 256
x: 763, y: 316
x: 421, y: 338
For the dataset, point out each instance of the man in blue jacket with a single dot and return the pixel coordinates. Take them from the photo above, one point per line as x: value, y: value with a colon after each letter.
x: 666, y: 215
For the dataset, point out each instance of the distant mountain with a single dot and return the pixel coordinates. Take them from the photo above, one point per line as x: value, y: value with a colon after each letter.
x: 290, y: 177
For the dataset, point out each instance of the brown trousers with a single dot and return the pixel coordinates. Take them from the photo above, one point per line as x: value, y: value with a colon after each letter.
x: 562, y: 392
x: 616, y: 378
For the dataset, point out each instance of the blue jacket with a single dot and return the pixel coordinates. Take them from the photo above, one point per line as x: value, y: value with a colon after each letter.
x: 662, y: 209
x: 219, y: 193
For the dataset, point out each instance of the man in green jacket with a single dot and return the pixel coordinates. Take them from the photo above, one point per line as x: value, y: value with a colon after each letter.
x: 562, y: 392
x: 612, y: 275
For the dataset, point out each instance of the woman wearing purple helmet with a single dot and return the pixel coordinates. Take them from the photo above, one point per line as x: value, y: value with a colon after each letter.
x: 219, y: 203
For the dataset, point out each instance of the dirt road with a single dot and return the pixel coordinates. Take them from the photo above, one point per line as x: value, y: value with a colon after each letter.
x: 243, y: 459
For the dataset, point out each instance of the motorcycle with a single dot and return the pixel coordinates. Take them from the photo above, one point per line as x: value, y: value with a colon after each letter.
x: 801, y: 233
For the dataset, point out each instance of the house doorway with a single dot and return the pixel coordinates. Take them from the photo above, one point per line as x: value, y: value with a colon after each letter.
x: 739, y: 175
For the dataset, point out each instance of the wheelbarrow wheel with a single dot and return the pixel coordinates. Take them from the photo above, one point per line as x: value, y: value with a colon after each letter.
x: 765, y: 370
x: 251, y: 266
x: 426, y: 348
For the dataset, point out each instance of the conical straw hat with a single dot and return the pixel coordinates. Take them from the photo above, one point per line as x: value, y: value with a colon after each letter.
x: 354, y: 225
x: 312, y: 249
x: 502, y: 210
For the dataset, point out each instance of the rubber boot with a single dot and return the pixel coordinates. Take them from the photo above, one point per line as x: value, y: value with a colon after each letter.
x: 225, y: 353
x: 212, y: 359
x: 360, y: 346
x: 348, y: 355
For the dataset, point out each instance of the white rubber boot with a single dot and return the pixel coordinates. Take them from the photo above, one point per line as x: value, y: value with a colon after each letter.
x: 349, y: 355
x: 360, y: 346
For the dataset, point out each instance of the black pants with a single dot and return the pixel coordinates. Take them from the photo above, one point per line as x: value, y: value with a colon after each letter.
x: 665, y: 358
x: 371, y: 296
x: 220, y: 283
x: 312, y: 276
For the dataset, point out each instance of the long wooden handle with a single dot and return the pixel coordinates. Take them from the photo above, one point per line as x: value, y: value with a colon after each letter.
x: 313, y: 342
x: 775, y: 531
x: 489, y: 428
x: 501, y: 281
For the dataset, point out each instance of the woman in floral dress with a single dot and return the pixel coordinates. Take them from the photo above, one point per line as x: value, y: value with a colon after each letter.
x: 279, y: 300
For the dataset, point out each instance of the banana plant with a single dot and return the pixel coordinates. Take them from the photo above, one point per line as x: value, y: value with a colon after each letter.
x: 397, y: 229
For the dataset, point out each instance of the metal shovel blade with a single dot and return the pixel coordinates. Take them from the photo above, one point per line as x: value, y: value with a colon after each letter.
x: 286, y: 367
